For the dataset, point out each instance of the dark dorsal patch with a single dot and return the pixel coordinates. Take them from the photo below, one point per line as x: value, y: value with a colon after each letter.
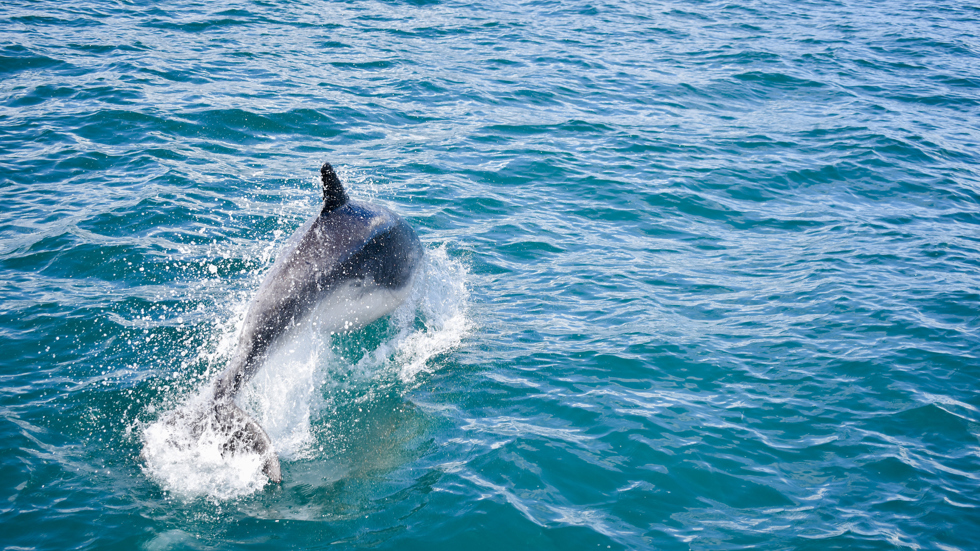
x: 334, y: 195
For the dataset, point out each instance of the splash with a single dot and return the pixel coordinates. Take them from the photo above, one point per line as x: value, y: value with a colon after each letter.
x: 189, y: 462
x: 288, y: 395
x: 442, y: 302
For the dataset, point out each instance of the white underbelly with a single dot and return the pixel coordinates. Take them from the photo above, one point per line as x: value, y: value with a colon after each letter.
x: 353, y: 306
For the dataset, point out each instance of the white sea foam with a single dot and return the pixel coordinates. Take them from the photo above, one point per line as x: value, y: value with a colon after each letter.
x: 288, y: 394
x: 190, y: 464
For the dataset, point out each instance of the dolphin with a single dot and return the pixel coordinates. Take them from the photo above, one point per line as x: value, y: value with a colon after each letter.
x: 347, y: 266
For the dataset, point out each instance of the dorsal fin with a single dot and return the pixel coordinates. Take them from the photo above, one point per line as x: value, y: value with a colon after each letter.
x: 334, y: 195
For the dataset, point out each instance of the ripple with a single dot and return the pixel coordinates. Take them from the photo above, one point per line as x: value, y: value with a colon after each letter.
x: 702, y: 275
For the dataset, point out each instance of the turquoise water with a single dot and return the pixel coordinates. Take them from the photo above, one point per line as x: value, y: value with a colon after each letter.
x: 699, y: 275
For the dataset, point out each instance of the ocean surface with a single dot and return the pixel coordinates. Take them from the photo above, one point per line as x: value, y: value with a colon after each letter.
x: 698, y: 275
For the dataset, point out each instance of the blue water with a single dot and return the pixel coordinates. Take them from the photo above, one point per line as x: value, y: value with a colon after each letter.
x: 698, y: 275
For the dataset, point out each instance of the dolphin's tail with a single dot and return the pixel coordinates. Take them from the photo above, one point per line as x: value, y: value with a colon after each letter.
x: 233, y: 429
x: 244, y: 434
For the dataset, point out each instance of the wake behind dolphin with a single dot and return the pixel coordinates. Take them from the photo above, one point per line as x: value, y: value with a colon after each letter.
x: 349, y: 265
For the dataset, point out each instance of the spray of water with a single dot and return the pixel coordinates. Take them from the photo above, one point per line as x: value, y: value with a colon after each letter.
x: 289, y: 393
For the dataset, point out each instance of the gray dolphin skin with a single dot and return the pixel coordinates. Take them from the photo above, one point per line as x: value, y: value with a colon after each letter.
x: 346, y: 267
